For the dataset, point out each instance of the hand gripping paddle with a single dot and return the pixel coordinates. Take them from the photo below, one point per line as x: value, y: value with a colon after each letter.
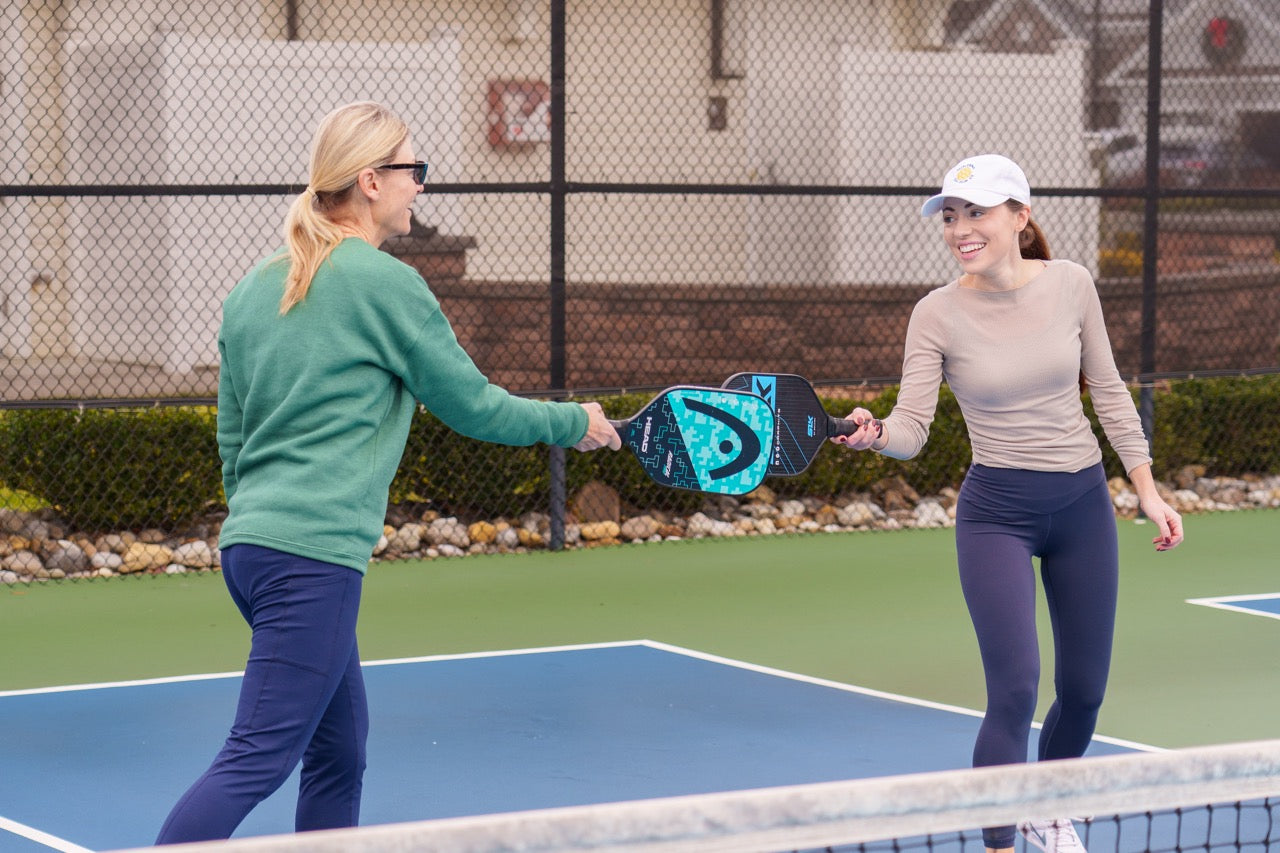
x: 802, y: 425
x: 705, y: 439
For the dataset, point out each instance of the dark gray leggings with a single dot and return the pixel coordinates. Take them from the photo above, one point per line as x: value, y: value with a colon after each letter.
x: 1003, y: 519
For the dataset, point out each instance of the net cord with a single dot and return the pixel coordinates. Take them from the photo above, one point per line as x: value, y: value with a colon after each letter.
x: 826, y: 813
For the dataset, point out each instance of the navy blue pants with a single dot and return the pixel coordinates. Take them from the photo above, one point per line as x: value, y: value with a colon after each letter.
x: 1004, y: 518
x: 302, y: 699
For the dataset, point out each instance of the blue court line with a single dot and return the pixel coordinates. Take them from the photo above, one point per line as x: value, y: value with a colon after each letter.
x: 98, y: 766
x: 1263, y: 604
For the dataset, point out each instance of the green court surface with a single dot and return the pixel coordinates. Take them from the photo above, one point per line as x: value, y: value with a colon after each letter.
x: 879, y: 610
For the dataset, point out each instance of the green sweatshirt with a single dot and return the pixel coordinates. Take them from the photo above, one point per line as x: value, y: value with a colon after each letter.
x: 314, y: 406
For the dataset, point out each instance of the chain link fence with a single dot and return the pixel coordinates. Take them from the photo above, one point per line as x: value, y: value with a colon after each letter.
x: 622, y: 196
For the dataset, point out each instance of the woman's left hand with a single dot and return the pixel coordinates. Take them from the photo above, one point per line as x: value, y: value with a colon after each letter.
x: 1167, y: 519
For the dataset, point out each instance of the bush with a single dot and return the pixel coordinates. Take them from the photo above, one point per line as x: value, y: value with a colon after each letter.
x: 1227, y: 425
x: 945, y: 459
x: 621, y: 470
x: 1234, y: 422
x: 158, y: 467
x: 467, y: 476
x: 106, y: 469
x: 835, y: 471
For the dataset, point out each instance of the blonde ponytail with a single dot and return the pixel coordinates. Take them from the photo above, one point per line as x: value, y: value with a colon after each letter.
x: 351, y: 138
x: 309, y: 237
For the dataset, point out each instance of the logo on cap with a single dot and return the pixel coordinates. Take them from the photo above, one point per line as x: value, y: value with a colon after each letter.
x: 964, y: 173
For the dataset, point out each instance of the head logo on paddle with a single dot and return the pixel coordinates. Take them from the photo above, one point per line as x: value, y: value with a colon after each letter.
x: 704, y: 439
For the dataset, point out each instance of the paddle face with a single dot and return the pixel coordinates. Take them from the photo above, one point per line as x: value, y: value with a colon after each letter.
x: 704, y: 439
x: 801, y: 424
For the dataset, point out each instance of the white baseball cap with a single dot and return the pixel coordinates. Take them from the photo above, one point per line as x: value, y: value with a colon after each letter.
x: 985, y: 180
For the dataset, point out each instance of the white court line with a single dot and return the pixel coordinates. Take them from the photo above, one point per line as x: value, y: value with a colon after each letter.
x: 106, y: 685
x: 31, y: 834
x: 653, y: 644
x: 212, y: 676
x: 1223, y: 602
x: 866, y: 691
x: 508, y: 652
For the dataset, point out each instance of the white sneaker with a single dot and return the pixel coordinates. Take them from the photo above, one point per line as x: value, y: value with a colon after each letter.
x: 1051, y: 836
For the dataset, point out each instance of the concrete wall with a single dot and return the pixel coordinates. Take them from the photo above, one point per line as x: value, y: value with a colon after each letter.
x: 929, y: 111
x: 149, y: 272
x: 16, y: 261
x: 158, y: 94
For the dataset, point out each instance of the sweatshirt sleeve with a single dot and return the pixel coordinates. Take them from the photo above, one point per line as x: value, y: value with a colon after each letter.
x: 442, y: 376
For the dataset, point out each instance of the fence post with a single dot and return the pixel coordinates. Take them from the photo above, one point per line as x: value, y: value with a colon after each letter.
x: 1150, y: 224
x: 558, y: 498
x: 557, y: 248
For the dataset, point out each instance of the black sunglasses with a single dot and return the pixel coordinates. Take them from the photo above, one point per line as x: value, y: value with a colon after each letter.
x: 419, y: 168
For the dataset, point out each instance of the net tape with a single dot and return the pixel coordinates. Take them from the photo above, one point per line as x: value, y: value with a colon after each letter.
x: 829, y: 813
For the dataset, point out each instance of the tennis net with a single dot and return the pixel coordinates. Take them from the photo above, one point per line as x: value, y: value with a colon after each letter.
x: 1224, y: 797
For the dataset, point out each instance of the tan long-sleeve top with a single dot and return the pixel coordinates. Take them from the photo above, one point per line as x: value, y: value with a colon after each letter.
x: 1013, y: 360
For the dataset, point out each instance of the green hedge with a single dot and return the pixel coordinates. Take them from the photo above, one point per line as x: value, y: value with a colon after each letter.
x: 836, y: 471
x: 115, y: 469
x: 158, y: 467
x: 475, y: 477
x: 1229, y: 425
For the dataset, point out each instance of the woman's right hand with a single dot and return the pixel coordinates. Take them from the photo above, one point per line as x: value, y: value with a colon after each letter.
x: 600, y: 433
x: 865, y: 436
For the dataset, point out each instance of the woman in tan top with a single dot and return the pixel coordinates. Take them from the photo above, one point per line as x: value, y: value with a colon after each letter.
x: 1013, y: 337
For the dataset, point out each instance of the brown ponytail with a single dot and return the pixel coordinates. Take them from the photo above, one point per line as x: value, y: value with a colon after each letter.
x: 1031, y: 240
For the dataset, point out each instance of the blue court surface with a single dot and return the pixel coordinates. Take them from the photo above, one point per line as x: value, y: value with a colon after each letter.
x: 97, y: 767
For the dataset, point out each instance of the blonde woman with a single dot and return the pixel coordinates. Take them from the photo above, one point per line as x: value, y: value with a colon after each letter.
x: 326, y: 347
x: 1016, y: 335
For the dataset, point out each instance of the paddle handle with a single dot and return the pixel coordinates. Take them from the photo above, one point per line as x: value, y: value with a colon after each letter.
x: 848, y: 426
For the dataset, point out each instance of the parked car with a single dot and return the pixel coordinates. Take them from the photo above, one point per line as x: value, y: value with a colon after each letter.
x: 1186, y: 165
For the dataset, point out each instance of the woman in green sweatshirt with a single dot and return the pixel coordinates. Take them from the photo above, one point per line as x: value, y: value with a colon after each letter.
x: 326, y: 348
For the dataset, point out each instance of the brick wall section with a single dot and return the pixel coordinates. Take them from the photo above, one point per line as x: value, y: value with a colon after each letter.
x: 644, y: 335
x: 1212, y: 320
